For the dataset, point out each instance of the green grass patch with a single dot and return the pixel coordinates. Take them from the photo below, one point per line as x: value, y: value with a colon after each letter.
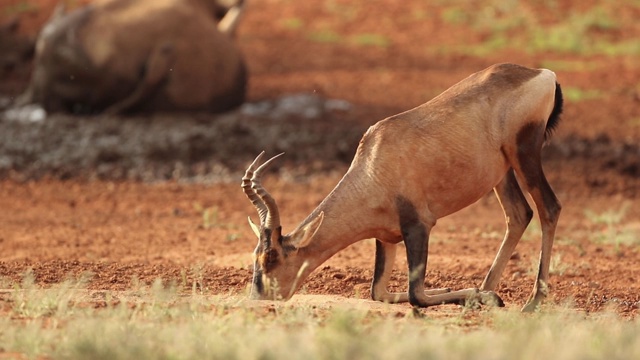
x: 19, y: 8
x: 292, y: 23
x: 161, y: 322
x: 365, y: 39
x: 533, y: 232
x: 325, y: 36
x: 211, y: 219
x: 612, y: 231
x: 629, y: 47
x: 575, y: 94
x: 571, y: 65
x: 339, y: 9
x: 454, y: 15
x: 370, y: 39
x: 510, y: 25
x: 635, y: 122
x: 556, y: 266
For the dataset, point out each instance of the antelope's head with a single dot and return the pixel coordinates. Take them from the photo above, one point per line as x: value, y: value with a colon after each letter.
x: 278, y: 262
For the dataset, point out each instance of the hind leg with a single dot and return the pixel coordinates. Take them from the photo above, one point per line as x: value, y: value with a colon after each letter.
x: 528, y: 165
x: 517, y: 214
x: 157, y: 70
x: 549, y: 211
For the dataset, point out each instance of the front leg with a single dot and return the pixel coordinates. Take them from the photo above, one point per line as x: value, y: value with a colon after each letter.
x: 385, y: 257
x: 416, y: 238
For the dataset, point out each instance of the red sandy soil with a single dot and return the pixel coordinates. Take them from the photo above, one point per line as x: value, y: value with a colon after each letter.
x: 121, y: 230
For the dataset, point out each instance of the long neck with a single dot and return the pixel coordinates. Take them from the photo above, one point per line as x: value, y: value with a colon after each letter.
x: 346, y: 221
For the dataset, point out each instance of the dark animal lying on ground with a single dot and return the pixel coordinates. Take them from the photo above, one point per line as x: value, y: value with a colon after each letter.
x: 122, y: 56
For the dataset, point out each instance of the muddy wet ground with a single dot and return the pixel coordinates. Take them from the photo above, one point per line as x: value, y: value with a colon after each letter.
x: 130, y: 199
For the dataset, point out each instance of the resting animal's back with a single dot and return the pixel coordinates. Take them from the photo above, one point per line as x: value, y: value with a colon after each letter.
x: 113, y: 45
x: 206, y: 61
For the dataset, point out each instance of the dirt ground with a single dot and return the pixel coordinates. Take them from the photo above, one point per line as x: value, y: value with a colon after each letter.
x: 177, y: 212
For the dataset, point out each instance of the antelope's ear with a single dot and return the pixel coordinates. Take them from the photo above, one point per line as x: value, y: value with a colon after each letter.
x: 303, y: 237
x: 254, y: 227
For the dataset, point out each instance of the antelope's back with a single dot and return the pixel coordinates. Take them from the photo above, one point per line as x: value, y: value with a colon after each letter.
x: 447, y: 153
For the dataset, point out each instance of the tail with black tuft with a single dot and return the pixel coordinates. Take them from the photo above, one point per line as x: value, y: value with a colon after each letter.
x: 554, y: 118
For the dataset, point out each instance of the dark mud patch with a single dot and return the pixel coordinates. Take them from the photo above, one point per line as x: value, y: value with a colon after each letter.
x: 316, y: 133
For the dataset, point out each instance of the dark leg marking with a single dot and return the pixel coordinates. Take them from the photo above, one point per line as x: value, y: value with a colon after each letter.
x: 415, y: 236
x: 380, y: 263
x: 529, y: 141
x: 529, y: 145
x: 513, y: 198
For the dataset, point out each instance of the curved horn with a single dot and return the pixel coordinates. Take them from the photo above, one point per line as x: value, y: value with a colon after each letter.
x: 251, y: 194
x: 272, y: 220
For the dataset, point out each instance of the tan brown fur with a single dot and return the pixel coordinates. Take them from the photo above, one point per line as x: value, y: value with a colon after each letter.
x: 423, y: 164
x: 120, y: 56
